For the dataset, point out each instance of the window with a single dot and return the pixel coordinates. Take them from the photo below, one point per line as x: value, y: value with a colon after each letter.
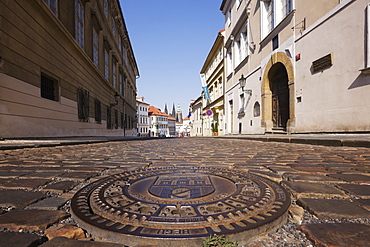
x: 106, y: 65
x: 120, y: 43
x: 228, y: 17
x: 270, y: 15
x: 83, y: 104
x: 288, y: 6
x: 237, y: 52
x: 113, y: 28
x: 275, y: 42
x: 53, y: 5
x: 106, y: 8
x: 229, y: 59
x: 49, y: 88
x: 124, y: 85
x: 242, y: 103
x: 114, y: 75
x: 244, y: 43
x: 122, y: 120
x: 97, y: 111
x: 95, y: 47
x: 115, y: 119
x: 256, y: 109
x: 109, y: 118
x: 121, y: 83
x: 79, y: 23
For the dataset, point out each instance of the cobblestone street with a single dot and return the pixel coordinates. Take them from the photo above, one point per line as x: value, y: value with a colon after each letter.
x: 330, y: 186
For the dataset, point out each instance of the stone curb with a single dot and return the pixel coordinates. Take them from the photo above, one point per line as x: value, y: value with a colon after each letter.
x: 301, y: 140
x: 4, y: 145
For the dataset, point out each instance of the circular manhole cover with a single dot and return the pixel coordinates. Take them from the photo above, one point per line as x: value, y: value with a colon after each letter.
x: 178, y: 206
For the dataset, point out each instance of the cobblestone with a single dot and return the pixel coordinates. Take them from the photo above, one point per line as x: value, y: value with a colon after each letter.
x: 311, y: 172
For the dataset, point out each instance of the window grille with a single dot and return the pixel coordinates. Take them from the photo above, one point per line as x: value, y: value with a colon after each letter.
x: 115, y: 119
x: 83, y: 105
x: 109, y: 118
x: 97, y: 111
x: 48, y: 87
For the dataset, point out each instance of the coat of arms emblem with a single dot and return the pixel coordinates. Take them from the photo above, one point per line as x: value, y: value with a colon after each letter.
x: 182, y: 187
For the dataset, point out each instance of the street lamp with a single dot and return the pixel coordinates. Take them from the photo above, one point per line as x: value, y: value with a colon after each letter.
x: 243, y: 82
x: 116, y: 99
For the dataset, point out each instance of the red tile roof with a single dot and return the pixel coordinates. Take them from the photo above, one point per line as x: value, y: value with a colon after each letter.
x: 155, y: 111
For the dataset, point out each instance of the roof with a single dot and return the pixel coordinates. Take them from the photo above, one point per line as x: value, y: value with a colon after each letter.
x: 155, y: 111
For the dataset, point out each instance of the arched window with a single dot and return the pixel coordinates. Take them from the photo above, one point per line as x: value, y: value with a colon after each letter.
x: 256, y: 109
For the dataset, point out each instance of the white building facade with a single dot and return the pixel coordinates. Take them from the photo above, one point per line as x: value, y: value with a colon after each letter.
x: 142, y: 117
x: 304, y: 63
x: 158, y: 122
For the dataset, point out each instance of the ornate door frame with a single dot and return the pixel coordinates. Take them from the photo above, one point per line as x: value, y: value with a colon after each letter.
x: 266, y: 122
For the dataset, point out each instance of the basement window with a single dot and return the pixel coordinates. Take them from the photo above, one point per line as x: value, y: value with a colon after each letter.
x: 49, y: 88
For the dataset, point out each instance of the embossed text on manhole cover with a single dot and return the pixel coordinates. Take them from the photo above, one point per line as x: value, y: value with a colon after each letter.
x: 169, y: 205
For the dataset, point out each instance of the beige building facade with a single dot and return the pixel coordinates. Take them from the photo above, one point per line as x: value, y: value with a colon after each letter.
x: 304, y: 64
x: 67, y: 69
x: 212, y: 74
x: 196, y: 117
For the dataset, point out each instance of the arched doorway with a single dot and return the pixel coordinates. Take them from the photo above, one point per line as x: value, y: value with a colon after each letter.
x: 278, y: 78
x: 278, y: 109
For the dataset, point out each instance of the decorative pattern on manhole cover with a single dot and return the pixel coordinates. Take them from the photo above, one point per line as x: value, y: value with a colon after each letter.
x: 174, y: 203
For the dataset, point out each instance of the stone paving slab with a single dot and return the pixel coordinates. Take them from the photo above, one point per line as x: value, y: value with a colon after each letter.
x: 10, y: 174
x: 330, y: 208
x: 352, y: 178
x: 5, y: 180
x: 47, y: 175
x: 344, y: 234
x: 364, y: 203
x: 30, y: 220
x: 310, y: 178
x: 17, y: 239
x: 79, y: 176
x: 19, y: 198
x: 26, y: 184
x: 362, y: 191
x: 65, y: 242
x: 60, y: 187
x: 306, y: 190
x: 68, y: 231
x: 50, y: 203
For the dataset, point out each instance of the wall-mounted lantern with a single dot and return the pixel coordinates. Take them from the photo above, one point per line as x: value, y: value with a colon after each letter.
x: 116, y: 99
x: 243, y: 82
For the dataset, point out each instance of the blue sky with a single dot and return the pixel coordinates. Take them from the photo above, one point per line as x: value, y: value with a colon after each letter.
x: 171, y: 40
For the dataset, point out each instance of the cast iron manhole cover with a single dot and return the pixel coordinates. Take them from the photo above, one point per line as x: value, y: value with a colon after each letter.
x: 178, y: 206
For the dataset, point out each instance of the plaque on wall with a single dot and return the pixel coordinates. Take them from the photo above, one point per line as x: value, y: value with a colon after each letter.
x: 322, y: 63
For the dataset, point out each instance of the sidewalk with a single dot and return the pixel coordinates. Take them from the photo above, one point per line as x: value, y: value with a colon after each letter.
x: 336, y: 140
